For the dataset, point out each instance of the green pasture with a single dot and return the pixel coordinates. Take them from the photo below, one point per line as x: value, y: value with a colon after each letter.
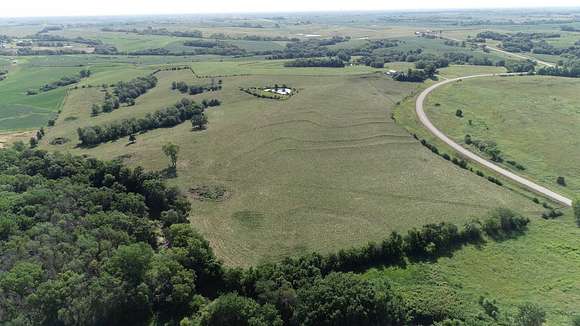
x: 539, y: 267
x: 325, y: 169
x: 533, y: 120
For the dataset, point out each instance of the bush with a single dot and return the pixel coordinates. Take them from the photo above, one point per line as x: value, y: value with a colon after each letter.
x: 530, y: 314
x: 561, y: 181
x: 504, y: 223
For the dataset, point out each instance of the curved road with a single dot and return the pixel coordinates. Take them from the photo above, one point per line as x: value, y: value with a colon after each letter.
x: 473, y: 157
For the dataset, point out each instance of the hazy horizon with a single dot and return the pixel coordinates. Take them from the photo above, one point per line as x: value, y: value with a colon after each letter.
x: 70, y: 8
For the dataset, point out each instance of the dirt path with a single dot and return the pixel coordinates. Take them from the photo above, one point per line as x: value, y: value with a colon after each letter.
x: 475, y: 158
x: 6, y: 139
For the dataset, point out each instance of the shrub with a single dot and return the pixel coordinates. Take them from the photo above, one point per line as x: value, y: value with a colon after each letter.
x: 561, y: 181
x: 530, y: 314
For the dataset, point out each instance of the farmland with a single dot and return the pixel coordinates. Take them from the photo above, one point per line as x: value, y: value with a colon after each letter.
x: 159, y: 157
x: 287, y: 164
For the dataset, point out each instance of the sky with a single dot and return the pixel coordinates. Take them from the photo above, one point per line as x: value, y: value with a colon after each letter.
x: 36, y: 8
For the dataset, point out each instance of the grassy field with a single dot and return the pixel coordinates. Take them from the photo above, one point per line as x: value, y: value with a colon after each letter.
x: 540, y: 267
x: 325, y: 169
x: 455, y: 71
x: 536, y: 128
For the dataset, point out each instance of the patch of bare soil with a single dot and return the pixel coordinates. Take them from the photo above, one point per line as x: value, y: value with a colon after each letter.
x: 6, y: 139
x: 209, y: 193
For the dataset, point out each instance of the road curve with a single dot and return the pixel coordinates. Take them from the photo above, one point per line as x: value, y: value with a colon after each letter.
x: 475, y: 158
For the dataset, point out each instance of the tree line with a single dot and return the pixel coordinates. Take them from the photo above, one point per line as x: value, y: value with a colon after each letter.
x: 124, y: 93
x: 64, y: 81
x: 165, y: 118
x: 155, y: 31
x: 183, y: 87
x: 223, y: 50
x: 246, y: 37
x: 316, y: 62
x: 569, y: 69
x: 311, y: 48
x: 415, y: 75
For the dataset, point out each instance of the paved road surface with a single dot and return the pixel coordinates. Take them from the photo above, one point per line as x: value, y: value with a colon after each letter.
x: 473, y: 157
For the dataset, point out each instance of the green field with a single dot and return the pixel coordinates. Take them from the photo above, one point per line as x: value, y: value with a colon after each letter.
x: 540, y: 267
x: 19, y: 111
x: 329, y: 155
x: 339, y: 163
x: 533, y: 120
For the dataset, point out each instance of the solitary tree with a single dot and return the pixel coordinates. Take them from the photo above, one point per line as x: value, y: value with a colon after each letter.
x: 171, y: 151
x: 199, y: 120
x: 459, y: 113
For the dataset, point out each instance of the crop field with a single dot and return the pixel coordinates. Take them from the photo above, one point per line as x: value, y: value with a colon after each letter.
x: 19, y: 111
x: 329, y: 155
x: 125, y: 42
x: 537, y: 129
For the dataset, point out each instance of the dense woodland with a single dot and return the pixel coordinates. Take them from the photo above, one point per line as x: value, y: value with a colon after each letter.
x: 95, y: 243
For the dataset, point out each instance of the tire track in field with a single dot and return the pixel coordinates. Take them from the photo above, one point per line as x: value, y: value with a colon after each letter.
x: 259, y: 158
x: 254, y: 150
